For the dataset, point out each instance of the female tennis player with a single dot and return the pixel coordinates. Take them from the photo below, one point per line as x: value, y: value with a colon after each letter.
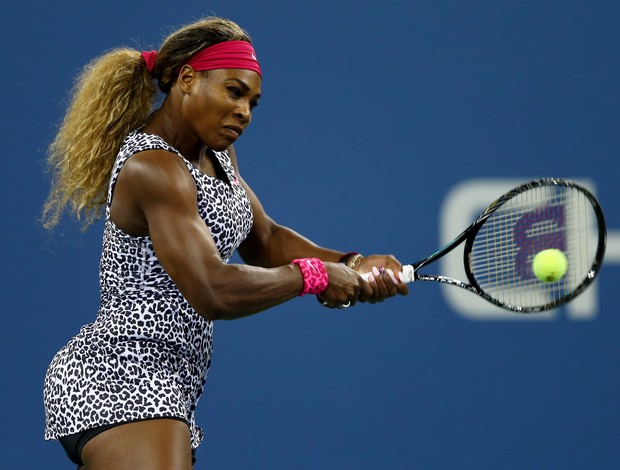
x: 122, y: 393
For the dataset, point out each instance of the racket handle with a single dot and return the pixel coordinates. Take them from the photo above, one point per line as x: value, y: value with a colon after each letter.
x: 407, y: 274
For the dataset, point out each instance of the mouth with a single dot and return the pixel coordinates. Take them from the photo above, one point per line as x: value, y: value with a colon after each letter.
x: 236, y: 131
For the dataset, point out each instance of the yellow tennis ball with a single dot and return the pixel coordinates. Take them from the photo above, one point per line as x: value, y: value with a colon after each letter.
x: 550, y: 265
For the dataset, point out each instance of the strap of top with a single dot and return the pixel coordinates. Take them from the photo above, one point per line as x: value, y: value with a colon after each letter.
x: 137, y: 142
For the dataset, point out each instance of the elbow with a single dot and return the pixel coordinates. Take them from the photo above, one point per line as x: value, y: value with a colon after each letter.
x: 212, y: 314
x: 218, y: 297
x: 211, y: 310
x: 216, y: 307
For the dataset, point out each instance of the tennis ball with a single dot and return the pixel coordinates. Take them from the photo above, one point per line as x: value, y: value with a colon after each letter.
x: 550, y: 265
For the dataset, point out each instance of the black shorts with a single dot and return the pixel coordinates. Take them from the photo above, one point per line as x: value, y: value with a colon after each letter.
x: 74, y: 443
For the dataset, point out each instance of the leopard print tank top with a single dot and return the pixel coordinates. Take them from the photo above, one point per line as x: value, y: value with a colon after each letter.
x: 147, y: 353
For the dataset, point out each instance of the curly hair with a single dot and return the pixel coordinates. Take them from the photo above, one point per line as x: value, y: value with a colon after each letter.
x: 113, y: 95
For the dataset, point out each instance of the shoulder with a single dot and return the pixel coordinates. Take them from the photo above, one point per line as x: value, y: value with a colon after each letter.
x: 156, y: 160
x: 157, y: 172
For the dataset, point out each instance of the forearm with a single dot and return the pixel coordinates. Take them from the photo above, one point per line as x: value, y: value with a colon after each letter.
x: 280, y: 246
x: 236, y: 291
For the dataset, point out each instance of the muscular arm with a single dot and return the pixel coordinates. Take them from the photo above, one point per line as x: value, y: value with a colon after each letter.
x: 155, y: 188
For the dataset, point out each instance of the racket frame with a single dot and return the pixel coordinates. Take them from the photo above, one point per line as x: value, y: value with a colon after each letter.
x: 410, y: 272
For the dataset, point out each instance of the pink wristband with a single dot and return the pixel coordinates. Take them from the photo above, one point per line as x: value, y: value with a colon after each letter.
x: 314, y: 273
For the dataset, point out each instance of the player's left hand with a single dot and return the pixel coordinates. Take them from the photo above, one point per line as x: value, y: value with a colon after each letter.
x: 384, y: 277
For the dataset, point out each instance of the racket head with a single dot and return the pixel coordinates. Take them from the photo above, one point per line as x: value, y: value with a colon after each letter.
x: 542, y: 214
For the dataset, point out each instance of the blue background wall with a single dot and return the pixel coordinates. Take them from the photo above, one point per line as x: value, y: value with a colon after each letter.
x: 382, y: 108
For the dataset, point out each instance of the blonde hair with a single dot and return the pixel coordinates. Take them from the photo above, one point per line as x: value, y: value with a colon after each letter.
x: 112, y: 96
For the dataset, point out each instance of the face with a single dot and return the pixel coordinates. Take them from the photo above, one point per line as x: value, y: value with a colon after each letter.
x: 218, y: 104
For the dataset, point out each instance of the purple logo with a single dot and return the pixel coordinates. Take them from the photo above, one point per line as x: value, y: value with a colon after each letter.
x: 535, y: 231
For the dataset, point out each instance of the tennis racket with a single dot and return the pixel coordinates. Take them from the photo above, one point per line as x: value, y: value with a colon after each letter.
x: 501, y: 244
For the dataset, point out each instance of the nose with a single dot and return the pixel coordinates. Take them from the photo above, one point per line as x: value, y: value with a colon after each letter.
x: 244, y: 111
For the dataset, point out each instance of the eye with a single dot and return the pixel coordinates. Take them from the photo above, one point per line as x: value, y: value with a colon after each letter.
x: 253, y: 104
x: 234, y: 91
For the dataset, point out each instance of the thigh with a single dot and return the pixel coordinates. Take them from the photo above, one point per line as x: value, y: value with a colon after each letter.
x: 153, y: 444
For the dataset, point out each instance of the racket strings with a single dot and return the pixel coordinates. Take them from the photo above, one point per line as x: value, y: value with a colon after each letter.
x: 531, y: 221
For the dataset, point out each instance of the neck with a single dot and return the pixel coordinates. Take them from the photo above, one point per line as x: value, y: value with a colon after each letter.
x: 167, y: 122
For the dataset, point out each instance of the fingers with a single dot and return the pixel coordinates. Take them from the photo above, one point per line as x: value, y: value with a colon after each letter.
x: 341, y: 301
x: 340, y: 306
x: 346, y: 287
x: 343, y: 289
x: 384, y: 283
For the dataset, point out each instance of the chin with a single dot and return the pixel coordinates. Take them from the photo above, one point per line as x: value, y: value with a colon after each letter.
x: 221, y: 146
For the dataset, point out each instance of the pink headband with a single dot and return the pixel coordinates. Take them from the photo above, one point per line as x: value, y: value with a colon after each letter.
x: 223, y: 55
x: 226, y: 55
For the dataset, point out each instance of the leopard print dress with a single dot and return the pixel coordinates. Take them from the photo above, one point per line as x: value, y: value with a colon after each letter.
x: 147, y: 353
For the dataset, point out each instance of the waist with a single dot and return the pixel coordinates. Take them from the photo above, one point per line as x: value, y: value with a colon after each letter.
x: 150, y: 315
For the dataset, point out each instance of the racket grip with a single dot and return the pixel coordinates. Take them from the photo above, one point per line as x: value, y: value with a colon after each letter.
x: 407, y: 274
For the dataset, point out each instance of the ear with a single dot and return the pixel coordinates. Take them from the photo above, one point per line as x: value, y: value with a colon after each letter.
x: 187, y: 75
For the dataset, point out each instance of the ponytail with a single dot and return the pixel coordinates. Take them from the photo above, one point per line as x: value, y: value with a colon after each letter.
x: 112, y: 96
